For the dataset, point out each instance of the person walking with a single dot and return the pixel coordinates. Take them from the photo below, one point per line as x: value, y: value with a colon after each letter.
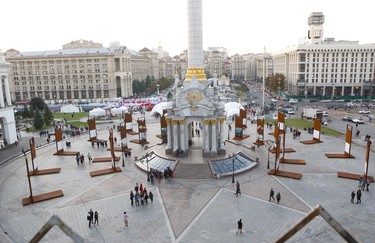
x: 278, y: 197
x: 89, y: 157
x: 367, y: 184
x: 126, y: 219
x: 151, y: 196
x: 359, y: 195
x: 352, y: 196
x: 96, y: 217
x: 272, y: 193
x: 90, y: 217
x: 239, y: 224
x: 238, y: 189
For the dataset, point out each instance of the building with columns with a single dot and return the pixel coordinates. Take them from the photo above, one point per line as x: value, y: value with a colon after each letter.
x: 196, y: 104
x: 7, y: 120
x: 325, y: 67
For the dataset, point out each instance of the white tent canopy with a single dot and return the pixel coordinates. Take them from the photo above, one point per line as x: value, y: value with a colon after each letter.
x: 158, y: 108
x: 69, y: 109
x: 123, y: 109
x: 232, y: 108
x: 97, y: 112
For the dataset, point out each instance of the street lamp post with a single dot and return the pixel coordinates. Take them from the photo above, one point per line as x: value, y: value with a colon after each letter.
x: 148, y: 174
x: 279, y: 86
x: 269, y: 145
x: 123, y: 156
x: 233, y: 168
x: 332, y: 91
x: 362, y: 92
x: 158, y: 85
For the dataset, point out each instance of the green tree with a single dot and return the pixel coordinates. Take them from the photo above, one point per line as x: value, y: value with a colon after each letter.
x: 273, y: 82
x: 38, y: 119
x: 25, y: 112
x: 37, y: 102
x: 47, y: 115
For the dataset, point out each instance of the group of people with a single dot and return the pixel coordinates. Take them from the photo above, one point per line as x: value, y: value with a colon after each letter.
x: 157, y: 175
x: 80, y: 158
x: 91, y: 216
x: 363, y: 185
x: 99, y: 144
x: 278, y: 196
x: 140, y: 195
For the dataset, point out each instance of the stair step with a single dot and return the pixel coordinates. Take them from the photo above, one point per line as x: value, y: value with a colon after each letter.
x: 192, y: 171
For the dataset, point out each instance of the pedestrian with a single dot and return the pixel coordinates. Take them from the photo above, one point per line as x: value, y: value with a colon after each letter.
x: 89, y: 157
x: 238, y: 190
x: 364, y: 182
x: 151, y: 196
x: 353, y: 196
x: 96, y: 216
x: 140, y: 188
x: 132, y: 198
x: 126, y: 219
x: 136, y: 187
x: 278, y: 197
x: 359, y: 195
x: 271, y: 195
x: 239, y: 223
x: 90, y: 217
x: 77, y: 158
x: 367, y: 184
x: 360, y: 181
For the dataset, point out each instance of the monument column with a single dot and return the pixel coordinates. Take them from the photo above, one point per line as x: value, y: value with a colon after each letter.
x: 175, y: 138
x: 169, y: 134
x: 221, y: 132
x: 213, y: 137
x: 7, y: 91
x: 206, y: 136
x: 2, y: 105
x: 182, y: 134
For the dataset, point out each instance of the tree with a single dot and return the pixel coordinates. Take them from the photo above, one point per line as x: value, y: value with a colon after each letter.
x: 47, y: 116
x: 25, y: 113
x: 37, y: 102
x: 273, y: 82
x: 38, y: 119
x: 169, y: 95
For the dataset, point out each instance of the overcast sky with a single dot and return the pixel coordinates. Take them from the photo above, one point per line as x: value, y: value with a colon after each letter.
x: 242, y: 26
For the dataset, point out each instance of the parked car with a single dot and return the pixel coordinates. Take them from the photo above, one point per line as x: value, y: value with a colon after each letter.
x: 347, y: 118
x: 293, y: 101
x: 358, y: 121
x: 364, y: 112
x: 325, y: 113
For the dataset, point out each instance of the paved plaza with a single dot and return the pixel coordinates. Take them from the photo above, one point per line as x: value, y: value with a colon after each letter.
x: 186, y: 210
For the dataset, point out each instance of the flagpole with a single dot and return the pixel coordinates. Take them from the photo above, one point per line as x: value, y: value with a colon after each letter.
x: 264, y: 75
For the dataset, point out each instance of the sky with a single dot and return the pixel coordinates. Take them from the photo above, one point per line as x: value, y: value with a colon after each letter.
x: 241, y: 26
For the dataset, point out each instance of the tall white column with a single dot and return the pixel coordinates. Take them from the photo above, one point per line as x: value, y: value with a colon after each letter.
x: 7, y: 91
x: 169, y: 133
x: 213, y: 136
x: 221, y: 132
x: 1, y: 93
x: 206, y: 136
x: 195, y: 36
x: 182, y: 134
x: 175, y: 138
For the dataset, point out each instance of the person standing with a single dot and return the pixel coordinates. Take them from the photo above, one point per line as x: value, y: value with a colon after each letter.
x: 90, y: 217
x: 278, y: 197
x: 132, y: 198
x: 89, y: 157
x: 238, y: 189
x: 359, y: 195
x: 367, y: 184
x: 272, y: 193
x: 126, y: 219
x: 151, y: 196
x: 239, y: 224
x: 96, y: 216
x: 352, y: 196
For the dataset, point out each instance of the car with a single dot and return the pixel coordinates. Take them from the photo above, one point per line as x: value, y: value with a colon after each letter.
x: 325, y: 113
x: 364, y: 112
x: 325, y: 101
x: 293, y: 101
x: 290, y: 112
x: 358, y: 121
x: 347, y: 118
x: 274, y: 100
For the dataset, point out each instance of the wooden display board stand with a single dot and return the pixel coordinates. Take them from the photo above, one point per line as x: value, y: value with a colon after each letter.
x: 316, y: 133
x: 113, y: 159
x: 60, y: 145
x: 40, y: 197
x: 164, y: 129
x: 289, y: 161
x: 128, y: 118
x: 353, y: 176
x: 124, y: 141
x: 240, y: 126
x: 281, y: 130
x: 260, y: 132
x: 348, y: 145
x: 93, y: 134
x: 276, y: 171
x: 35, y: 171
x: 142, y: 132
